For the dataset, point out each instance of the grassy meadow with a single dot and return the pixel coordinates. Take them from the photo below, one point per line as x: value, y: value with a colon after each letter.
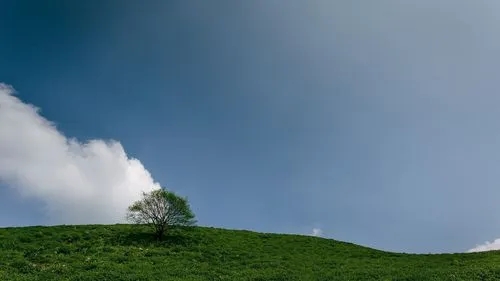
x: 127, y: 252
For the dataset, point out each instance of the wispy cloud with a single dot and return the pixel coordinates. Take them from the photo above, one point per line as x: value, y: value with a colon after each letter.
x: 487, y: 246
x: 317, y: 232
x: 91, y: 182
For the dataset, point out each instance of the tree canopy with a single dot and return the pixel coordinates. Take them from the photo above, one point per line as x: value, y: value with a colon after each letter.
x: 161, y: 209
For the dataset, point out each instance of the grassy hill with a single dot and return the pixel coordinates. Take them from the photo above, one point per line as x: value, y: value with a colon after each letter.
x: 124, y: 252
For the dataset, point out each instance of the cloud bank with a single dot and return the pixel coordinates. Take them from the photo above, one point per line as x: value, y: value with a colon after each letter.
x: 317, y: 232
x: 91, y: 182
x: 488, y: 246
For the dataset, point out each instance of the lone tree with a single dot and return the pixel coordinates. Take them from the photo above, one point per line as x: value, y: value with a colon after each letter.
x: 161, y: 209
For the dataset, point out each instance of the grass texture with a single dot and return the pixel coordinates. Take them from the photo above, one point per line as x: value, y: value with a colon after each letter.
x: 128, y: 252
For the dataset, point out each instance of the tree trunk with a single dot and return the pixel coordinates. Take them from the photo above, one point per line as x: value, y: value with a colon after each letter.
x: 160, y: 233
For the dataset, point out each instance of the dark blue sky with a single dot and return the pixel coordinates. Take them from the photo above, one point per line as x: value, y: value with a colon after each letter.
x: 375, y: 122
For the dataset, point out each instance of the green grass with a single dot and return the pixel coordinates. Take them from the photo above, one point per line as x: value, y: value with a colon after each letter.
x: 124, y: 252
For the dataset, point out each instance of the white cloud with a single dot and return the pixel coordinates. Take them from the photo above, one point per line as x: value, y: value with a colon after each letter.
x: 488, y: 246
x: 317, y: 232
x: 91, y: 182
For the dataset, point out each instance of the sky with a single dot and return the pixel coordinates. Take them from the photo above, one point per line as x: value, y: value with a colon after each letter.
x: 372, y: 122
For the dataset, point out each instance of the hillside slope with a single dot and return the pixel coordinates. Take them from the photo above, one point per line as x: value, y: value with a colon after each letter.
x: 124, y: 252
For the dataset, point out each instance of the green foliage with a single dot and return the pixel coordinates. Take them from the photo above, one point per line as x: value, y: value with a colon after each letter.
x: 131, y: 253
x: 161, y: 209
